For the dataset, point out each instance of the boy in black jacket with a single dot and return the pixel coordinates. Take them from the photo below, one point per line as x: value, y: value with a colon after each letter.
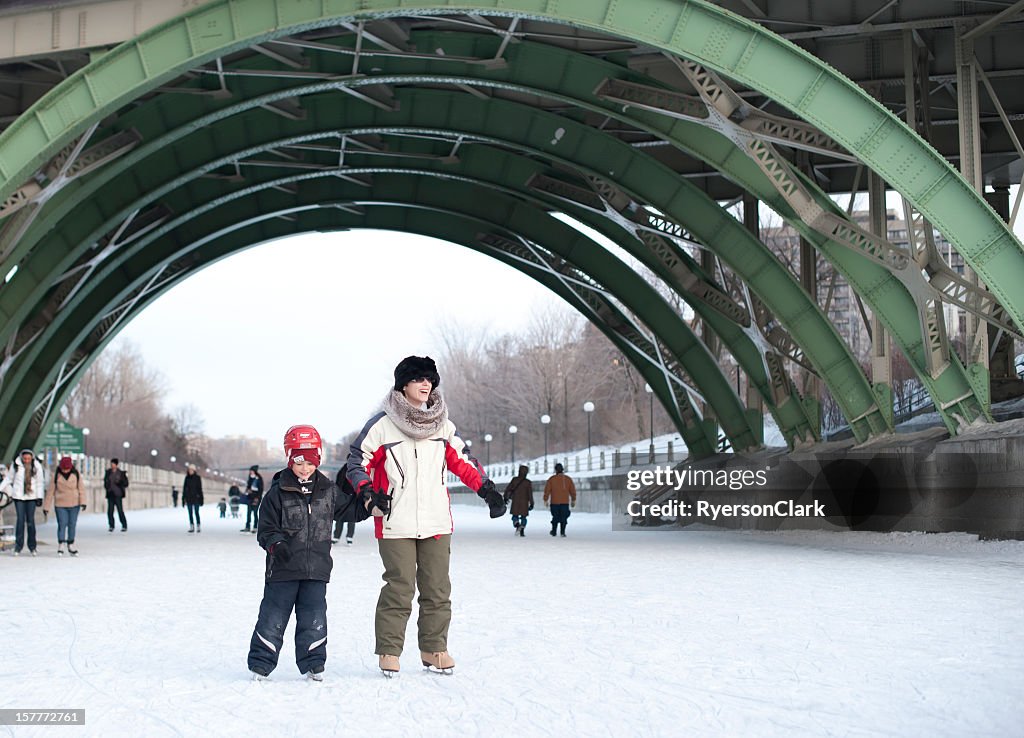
x: 295, y: 523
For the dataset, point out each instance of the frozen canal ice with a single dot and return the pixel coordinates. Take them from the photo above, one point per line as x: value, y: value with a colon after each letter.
x: 601, y: 633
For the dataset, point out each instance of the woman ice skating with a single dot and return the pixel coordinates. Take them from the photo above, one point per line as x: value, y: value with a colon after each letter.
x: 397, y: 466
x: 519, y: 494
x: 295, y: 530
x: 67, y: 495
x: 192, y: 497
x: 25, y: 484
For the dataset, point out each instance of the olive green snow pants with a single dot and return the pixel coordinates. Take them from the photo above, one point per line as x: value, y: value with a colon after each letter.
x: 411, y: 564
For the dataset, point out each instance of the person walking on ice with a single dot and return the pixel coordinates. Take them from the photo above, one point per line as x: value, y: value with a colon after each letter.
x: 25, y: 484
x: 294, y: 528
x: 67, y: 495
x: 397, y: 467
x: 192, y: 498
x: 519, y: 495
x: 558, y: 491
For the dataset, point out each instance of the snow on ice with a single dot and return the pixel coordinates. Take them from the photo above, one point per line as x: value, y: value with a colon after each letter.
x: 599, y: 634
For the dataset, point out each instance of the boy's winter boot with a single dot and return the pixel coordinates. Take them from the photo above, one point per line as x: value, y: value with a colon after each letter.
x: 554, y: 529
x: 388, y: 665
x: 439, y: 662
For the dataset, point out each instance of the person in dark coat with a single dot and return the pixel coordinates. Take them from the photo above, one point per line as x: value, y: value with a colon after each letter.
x: 349, y: 519
x: 519, y: 493
x: 298, y: 512
x: 254, y: 493
x: 115, y: 482
x: 192, y: 497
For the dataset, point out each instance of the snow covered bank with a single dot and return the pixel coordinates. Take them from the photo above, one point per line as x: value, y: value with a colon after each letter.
x: 600, y: 633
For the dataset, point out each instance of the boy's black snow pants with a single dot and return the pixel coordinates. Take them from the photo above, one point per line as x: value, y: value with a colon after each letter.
x: 309, y: 598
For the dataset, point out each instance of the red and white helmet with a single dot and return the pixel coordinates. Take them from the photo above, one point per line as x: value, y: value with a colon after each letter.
x: 302, y: 436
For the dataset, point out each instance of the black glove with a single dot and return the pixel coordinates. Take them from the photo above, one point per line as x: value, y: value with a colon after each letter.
x: 39, y: 503
x: 280, y: 552
x: 379, y: 500
x: 46, y: 514
x: 493, y: 499
x: 530, y: 507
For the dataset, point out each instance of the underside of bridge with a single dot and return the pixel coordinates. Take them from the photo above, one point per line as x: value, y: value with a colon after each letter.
x: 140, y: 146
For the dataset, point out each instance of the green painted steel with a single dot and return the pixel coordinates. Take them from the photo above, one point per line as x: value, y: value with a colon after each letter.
x: 693, y: 29
x: 116, y: 282
x: 597, y: 263
x: 948, y: 386
x: 731, y: 230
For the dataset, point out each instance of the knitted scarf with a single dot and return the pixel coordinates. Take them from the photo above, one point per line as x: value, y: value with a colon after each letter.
x: 413, y: 421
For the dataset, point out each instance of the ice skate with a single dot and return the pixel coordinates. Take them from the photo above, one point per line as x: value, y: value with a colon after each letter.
x: 388, y: 665
x: 348, y: 541
x: 191, y: 529
x: 316, y: 674
x: 33, y: 552
x: 259, y: 675
x: 438, y: 662
x: 17, y: 552
x: 72, y: 551
x: 199, y: 529
x: 60, y: 548
x: 335, y: 540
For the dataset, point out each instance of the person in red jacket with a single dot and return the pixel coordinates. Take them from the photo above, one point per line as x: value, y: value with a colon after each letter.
x: 397, y: 467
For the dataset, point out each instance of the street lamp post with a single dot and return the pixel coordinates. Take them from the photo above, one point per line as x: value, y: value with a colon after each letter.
x: 513, y: 430
x: 588, y: 408
x: 545, y: 419
x: 487, y: 439
x: 126, y: 445
x: 153, y: 452
x: 647, y: 388
x: 173, y: 459
x: 85, y: 448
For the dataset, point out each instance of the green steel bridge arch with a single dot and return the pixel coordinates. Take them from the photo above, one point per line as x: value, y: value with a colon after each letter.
x: 58, y: 257
x: 695, y: 32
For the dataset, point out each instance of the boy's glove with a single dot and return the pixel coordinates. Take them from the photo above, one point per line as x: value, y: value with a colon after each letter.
x: 493, y: 499
x: 280, y: 552
x: 83, y: 508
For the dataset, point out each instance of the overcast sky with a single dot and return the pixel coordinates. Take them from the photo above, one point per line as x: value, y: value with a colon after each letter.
x: 309, y: 329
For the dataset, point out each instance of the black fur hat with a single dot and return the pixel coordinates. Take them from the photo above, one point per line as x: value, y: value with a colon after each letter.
x: 414, y: 367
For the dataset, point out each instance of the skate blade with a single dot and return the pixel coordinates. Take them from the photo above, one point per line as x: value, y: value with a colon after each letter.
x: 259, y: 678
x: 448, y: 671
x: 318, y: 678
x: 389, y: 674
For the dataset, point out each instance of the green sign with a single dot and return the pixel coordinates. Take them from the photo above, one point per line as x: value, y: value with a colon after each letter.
x: 64, y: 437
